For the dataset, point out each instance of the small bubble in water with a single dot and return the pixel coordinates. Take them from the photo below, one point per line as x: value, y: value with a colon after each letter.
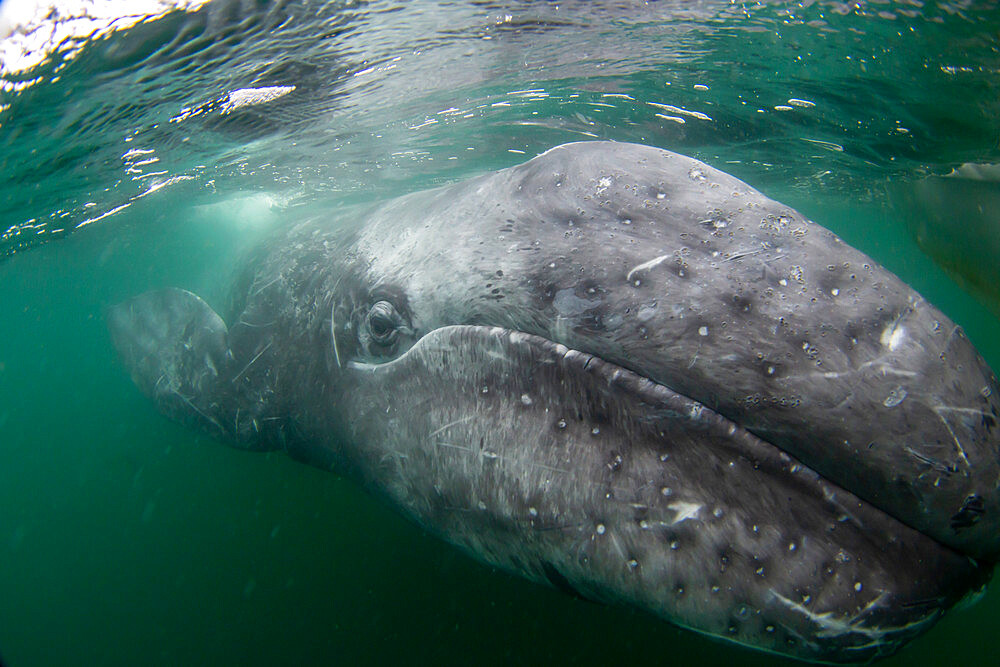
x: 525, y: 399
x: 561, y: 423
x: 600, y: 529
x: 595, y: 430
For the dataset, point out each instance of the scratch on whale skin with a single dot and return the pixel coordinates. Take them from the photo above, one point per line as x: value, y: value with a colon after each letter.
x: 646, y: 265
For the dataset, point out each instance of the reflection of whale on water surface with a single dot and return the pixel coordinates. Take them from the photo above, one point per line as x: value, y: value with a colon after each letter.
x: 619, y: 371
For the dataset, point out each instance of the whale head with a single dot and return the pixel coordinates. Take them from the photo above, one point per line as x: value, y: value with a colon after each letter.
x: 621, y: 372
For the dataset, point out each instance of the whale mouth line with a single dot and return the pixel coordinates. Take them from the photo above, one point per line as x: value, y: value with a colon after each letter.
x: 497, y: 342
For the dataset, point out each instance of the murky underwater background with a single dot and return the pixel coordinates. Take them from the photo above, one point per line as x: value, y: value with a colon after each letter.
x: 151, y: 143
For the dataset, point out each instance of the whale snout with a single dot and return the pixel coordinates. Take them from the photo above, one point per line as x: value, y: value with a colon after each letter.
x: 659, y: 263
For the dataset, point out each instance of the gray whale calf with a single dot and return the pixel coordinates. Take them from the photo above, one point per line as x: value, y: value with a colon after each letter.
x: 618, y: 371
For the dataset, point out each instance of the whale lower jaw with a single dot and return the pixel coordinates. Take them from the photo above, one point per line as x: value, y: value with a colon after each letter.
x: 573, y: 471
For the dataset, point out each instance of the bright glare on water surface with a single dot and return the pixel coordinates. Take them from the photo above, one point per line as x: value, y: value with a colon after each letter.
x: 152, y: 143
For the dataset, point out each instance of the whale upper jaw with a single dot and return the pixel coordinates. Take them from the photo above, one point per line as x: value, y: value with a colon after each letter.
x: 662, y: 264
x: 574, y: 471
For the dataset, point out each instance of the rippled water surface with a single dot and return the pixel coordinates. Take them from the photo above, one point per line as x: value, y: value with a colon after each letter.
x: 151, y: 143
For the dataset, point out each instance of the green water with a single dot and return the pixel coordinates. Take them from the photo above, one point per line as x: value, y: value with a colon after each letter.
x: 126, y: 539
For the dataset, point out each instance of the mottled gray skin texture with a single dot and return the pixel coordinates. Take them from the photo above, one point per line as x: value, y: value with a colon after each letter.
x: 618, y: 371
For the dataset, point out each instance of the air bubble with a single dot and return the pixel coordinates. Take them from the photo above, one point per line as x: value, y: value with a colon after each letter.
x: 595, y: 430
x: 666, y: 491
x: 600, y: 529
x: 703, y: 331
x: 561, y: 424
x: 857, y: 586
x: 532, y: 512
x: 632, y: 563
x: 526, y: 400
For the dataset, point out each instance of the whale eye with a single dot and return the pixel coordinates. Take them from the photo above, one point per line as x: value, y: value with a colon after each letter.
x: 383, y: 322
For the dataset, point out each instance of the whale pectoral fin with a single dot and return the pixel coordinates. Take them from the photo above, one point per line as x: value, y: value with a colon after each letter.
x: 177, y: 350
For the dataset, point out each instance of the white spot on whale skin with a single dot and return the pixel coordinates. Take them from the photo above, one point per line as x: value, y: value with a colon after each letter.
x: 646, y: 312
x: 892, y: 337
x: 646, y: 265
x: 895, y: 397
x: 684, y: 511
x: 569, y: 304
